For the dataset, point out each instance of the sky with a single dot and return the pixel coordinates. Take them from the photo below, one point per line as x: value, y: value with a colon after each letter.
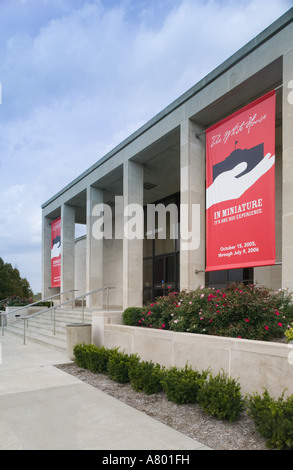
x: 78, y: 77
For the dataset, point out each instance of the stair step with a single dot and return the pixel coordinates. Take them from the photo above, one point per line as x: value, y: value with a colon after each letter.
x: 40, y: 328
x: 50, y: 340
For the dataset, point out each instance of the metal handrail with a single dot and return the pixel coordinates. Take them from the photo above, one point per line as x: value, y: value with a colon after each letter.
x: 40, y: 301
x: 82, y: 296
x: 26, y: 307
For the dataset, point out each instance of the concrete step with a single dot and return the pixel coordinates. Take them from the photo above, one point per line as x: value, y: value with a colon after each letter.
x: 40, y: 328
x: 53, y: 341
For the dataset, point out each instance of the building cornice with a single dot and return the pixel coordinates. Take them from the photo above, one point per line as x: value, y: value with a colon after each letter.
x: 238, y: 56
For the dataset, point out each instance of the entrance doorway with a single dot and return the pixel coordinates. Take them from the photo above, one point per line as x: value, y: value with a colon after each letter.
x: 161, y: 262
x: 161, y: 276
x: 166, y: 274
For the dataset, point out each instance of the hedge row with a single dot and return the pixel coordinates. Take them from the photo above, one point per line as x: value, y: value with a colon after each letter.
x: 218, y: 396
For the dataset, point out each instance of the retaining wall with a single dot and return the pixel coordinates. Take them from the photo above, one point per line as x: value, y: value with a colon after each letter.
x: 257, y: 364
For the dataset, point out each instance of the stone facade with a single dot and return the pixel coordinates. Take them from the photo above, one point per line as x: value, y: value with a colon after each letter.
x: 165, y: 158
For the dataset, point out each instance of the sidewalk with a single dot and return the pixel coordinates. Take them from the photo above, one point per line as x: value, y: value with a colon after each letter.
x: 43, y: 408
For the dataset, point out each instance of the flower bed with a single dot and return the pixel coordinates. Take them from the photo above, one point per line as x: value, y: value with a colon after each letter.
x: 239, y: 311
x: 15, y: 301
x: 159, y: 334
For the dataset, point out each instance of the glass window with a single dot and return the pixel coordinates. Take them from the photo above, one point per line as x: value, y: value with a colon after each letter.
x: 147, y: 280
x: 161, y: 253
x: 219, y: 279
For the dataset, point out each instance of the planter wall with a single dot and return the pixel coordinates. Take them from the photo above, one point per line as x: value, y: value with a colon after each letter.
x: 11, y: 317
x: 20, y: 311
x: 77, y: 333
x: 257, y: 364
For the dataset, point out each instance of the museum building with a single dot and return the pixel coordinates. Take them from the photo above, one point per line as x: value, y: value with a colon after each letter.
x: 168, y: 163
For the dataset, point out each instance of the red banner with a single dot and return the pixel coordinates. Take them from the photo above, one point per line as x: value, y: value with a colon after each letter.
x: 56, y: 253
x: 240, y: 188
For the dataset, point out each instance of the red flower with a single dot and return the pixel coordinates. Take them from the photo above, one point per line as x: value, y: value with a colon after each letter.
x: 280, y: 324
x: 247, y: 320
x: 266, y: 327
x: 210, y: 297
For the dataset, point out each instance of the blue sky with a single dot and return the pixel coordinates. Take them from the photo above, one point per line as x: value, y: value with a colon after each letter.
x: 78, y: 77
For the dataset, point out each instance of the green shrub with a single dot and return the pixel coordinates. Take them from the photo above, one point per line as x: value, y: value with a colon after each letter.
x: 82, y: 352
x: 119, y: 364
x: 16, y: 301
x: 273, y: 419
x: 146, y: 377
x: 243, y: 311
x: 131, y: 316
x: 44, y: 304
x: 91, y: 357
x: 98, y: 359
x: 220, y: 397
x: 289, y: 334
x: 182, y: 385
x: 159, y: 314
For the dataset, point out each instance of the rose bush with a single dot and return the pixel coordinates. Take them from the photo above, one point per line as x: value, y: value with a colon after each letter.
x: 15, y: 301
x: 243, y: 311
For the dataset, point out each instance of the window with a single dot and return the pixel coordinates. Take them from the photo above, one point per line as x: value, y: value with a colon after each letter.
x: 219, y: 279
x: 161, y: 258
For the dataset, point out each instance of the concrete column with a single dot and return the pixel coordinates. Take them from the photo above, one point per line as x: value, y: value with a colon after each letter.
x: 192, y: 206
x: 46, y: 258
x: 67, y: 250
x: 94, y: 251
x: 132, y: 248
x: 287, y: 234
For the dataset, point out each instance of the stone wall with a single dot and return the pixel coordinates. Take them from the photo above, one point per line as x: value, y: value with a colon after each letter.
x: 257, y: 364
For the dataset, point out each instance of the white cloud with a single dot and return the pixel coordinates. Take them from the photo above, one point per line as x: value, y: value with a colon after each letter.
x: 78, y: 77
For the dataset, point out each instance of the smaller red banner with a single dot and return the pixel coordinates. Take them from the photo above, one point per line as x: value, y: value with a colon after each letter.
x: 56, y: 253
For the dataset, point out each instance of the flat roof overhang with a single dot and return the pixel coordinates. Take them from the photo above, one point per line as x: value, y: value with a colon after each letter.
x: 166, y: 138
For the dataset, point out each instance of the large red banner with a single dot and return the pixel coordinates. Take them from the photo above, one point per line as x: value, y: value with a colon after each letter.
x: 240, y: 188
x: 56, y: 253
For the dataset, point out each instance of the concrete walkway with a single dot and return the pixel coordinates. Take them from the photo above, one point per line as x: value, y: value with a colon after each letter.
x: 44, y: 408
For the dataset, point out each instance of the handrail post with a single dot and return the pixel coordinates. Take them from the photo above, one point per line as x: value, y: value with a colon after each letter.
x: 107, y: 288
x: 54, y: 315
x: 24, y: 331
x: 54, y: 307
x: 82, y: 303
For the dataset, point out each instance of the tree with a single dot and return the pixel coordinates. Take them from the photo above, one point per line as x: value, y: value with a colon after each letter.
x: 11, y: 283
